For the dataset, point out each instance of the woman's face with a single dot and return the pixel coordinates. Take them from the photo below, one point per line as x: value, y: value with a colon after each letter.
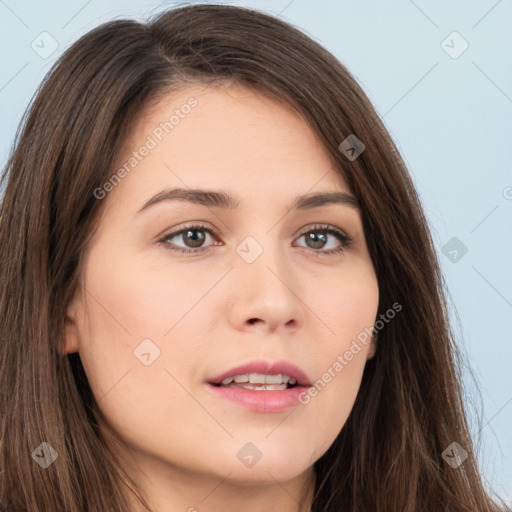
x: 262, y: 282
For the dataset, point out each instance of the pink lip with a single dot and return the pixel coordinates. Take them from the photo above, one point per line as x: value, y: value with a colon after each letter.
x: 263, y: 401
x: 260, y: 366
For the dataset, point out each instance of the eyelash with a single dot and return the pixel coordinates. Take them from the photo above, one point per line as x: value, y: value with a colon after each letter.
x: 346, y: 240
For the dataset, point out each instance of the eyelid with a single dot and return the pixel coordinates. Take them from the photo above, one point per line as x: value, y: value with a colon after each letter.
x: 200, y: 225
x: 322, y: 227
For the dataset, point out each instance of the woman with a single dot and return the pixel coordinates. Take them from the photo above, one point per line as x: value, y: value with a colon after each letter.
x: 219, y: 288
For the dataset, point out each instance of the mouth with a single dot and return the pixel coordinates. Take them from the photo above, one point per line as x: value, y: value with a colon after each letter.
x: 262, y: 376
x: 262, y: 387
x: 258, y: 382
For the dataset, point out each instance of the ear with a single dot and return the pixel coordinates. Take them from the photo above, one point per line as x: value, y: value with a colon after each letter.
x: 71, y: 337
x: 373, y: 347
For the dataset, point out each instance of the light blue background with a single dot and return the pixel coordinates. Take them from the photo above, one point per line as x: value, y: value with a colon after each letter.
x: 451, y: 119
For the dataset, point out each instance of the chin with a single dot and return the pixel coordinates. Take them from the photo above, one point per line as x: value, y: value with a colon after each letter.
x: 266, y: 472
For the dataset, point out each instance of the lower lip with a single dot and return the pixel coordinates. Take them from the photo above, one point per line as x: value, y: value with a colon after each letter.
x: 262, y: 401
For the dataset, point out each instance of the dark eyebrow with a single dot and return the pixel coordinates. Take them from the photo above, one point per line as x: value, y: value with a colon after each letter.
x: 322, y: 198
x: 215, y: 199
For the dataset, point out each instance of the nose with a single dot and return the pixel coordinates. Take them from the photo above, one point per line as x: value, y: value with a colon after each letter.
x: 266, y: 294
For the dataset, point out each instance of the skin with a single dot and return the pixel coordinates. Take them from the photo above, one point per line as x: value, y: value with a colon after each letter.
x: 179, y: 441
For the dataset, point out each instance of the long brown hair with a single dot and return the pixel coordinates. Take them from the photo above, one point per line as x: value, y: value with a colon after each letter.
x: 409, y: 409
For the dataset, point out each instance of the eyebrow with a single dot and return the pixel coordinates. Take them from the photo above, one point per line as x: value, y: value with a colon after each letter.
x: 220, y: 199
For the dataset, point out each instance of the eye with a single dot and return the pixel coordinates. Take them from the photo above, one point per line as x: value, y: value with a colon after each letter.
x: 318, y: 238
x: 193, y: 238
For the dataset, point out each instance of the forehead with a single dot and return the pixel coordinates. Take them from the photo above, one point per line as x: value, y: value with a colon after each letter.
x: 226, y: 137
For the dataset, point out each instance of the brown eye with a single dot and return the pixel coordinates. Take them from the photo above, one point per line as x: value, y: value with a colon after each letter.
x: 316, y: 240
x: 193, y: 237
x: 319, y: 237
x: 189, y: 239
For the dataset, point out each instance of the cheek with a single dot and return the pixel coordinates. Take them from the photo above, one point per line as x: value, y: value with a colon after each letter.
x: 137, y: 314
x: 332, y: 396
x: 148, y: 299
x: 124, y: 327
x: 354, y: 310
x: 346, y: 303
x: 341, y: 356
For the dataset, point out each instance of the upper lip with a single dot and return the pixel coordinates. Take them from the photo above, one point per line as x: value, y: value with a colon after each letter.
x: 266, y: 368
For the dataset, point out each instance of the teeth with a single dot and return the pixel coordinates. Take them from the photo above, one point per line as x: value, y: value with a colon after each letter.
x: 267, y: 387
x: 259, y: 378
